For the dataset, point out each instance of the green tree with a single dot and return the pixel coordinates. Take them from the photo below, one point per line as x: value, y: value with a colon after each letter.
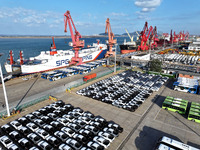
x: 155, y: 65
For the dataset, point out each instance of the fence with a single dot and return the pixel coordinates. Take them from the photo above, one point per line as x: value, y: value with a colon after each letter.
x: 98, y: 76
x: 25, y: 105
x: 162, y: 74
x: 33, y: 102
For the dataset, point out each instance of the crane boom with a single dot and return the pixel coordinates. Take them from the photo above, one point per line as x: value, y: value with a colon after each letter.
x: 129, y: 35
x: 76, y: 42
x: 111, y: 41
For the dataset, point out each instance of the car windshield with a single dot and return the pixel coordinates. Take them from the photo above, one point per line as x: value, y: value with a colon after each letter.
x: 106, y: 142
x: 64, y: 136
x: 110, y: 136
x: 34, y: 126
x: 65, y: 121
x: 48, y: 147
x: 56, y: 142
x: 78, y: 145
x: 71, y: 132
x: 44, y: 134
x: 36, y: 138
x: 7, y: 141
x: 17, y: 124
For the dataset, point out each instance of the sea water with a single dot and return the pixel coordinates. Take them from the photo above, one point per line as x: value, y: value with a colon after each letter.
x: 32, y: 47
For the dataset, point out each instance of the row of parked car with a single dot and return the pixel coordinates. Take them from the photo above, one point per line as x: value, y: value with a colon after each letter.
x: 178, y: 58
x: 127, y: 90
x: 59, y: 126
x: 70, y: 71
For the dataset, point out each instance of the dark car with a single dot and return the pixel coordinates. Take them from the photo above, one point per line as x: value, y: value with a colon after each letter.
x: 6, y: 128
x: 25, y: 143
x: 23, y: 121
x: 80, y: 138
x: 60, y: 103
x: 24, y: 131
x: 56, y: 125
x: 46, y: 119
x: 15, y: 136
x: 115, y: 126
x: 69, y: 107
x: 49, y: 128
x: 53, y: 141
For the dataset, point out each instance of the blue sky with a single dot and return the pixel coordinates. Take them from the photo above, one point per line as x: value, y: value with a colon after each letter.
x: 45, y: 17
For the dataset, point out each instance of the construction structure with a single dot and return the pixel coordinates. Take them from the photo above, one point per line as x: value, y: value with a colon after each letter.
x: 187, y: 83
x: 76, y: 42
x: 111, y: 41
x: 144, y: 37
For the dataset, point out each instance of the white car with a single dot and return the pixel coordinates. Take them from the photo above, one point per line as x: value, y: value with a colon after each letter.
x: 107, y: 136
x: 32, y: 126
x: 44, y: 145
x: 73, y: 143
x: 34, y: 138
x: 104, y: 142
x: 61, y: 135
x: 5, y: 141
x: 64, y: 121
x: 64, y: 147
x: 13, y: 147
x: 42, y: 133
x: 68, y: 131
x: 95, y: 145
x: 16, y: 124
x: 112, y: 131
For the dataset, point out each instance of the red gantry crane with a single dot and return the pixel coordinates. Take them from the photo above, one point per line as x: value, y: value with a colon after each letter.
x: 111, y: 41
x: 144, y: 36
x: 76, y: 42
x: 175, y: 38
x: 187, y: 35
x: 154, y: 37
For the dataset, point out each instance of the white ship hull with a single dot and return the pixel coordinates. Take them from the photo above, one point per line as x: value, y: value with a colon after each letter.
x: 59, y: 60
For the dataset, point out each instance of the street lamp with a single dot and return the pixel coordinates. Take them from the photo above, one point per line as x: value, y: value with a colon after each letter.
x: 4, y: 90
x: 115, y: 58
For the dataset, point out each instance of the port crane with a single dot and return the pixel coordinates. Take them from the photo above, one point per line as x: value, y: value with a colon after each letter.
x: 10, y: 59
x: 131, y: 37
x: 53, y: 47
x: 21, y: 57
x: 76, y: 42
x: 175, y: 37
x: 111, y: 41
x: 144, y: 36
x: 187, y: 35
x: 154, y: 37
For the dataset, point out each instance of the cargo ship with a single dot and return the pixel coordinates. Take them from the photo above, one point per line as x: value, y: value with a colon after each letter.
x: 54, y: 59
x: 128, y: 47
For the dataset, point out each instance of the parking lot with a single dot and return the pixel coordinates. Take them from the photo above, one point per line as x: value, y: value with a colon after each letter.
x: 143, y: 127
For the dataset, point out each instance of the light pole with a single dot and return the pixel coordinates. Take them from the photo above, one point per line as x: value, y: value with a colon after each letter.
x: 115, y: 58
x: 4, y: 90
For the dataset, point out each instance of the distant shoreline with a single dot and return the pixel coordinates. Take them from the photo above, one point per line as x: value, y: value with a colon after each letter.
x: 95, y: 36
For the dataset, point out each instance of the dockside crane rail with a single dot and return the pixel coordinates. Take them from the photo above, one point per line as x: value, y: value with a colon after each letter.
x: 76, y: 42
x: 111, y: 41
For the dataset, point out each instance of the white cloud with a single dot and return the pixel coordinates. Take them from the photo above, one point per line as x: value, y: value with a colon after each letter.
x: 118, y: 14
x: 147, y: 5
x: 30, y: 17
